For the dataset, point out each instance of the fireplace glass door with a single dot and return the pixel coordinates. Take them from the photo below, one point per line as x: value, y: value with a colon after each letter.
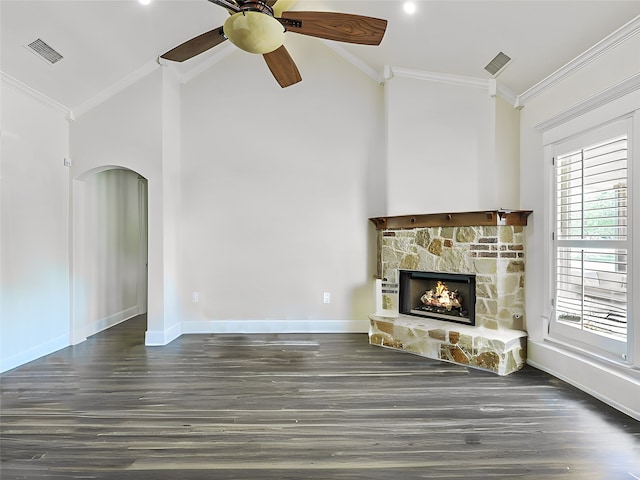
x: 443, y: 296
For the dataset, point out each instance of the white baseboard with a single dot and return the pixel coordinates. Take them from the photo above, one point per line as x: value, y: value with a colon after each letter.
x: 276, y: 326
x: 609, y: 385
x: 158, y: 338
x: 107, y: 322
x: 34, y: 353
x: 164, y: 337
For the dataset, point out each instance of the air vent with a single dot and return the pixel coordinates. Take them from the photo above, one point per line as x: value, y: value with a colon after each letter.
x: 45, y: 51
x: 496, y: 65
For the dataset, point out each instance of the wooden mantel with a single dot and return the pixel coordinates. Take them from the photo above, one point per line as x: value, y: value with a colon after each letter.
x: 457, y: 219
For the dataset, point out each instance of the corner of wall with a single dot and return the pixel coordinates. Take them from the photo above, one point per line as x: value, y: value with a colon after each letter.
x: 158, y: 338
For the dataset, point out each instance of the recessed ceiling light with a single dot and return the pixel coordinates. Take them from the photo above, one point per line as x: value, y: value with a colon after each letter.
x: 145, y: 2
x: 409, y: 7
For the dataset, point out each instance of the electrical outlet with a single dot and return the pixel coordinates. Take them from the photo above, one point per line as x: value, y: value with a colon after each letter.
x: 195, y: 297
x: 326, y: 298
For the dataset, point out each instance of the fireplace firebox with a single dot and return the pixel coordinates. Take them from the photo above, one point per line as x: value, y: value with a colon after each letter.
x: 444, y: 296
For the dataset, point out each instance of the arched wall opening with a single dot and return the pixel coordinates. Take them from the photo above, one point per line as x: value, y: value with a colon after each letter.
x: 110, y: 249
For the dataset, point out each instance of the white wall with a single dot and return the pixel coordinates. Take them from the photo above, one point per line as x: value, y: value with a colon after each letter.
x: 281, y: 189
x: 125, y: 131
x: 616, y: 386
x: 277, y: 186
x: 34, y: 248
x: 441, y: 148
x: 166, y: 323
x: 507, y: 155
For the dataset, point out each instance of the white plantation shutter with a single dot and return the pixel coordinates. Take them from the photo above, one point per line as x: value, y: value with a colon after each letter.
x: 592, y: 245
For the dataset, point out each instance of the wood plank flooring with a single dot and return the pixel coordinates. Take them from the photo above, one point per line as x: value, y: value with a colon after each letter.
x: 296, y: 407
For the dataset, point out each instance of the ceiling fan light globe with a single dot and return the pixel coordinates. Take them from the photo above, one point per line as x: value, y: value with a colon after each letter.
x: 254, y: 32
x: 282, y: 6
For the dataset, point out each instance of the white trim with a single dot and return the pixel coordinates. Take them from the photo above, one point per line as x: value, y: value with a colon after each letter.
x: 590, y: 380
x: 387, y: 73
x: 596, y: 125
x: 18, y: 85
x: 634, y: 279
x: 491, y: 85
x: 220, y: 54
x: 276, y: 326
x: 508, y: 95
x: 355, y: 61
x: 158, y: 338
x: 35, y: 352
x: 104, y: 323
x: 603, y: 98
x: 613, y: 40
x: 116, y: 88
x: 447, y: 78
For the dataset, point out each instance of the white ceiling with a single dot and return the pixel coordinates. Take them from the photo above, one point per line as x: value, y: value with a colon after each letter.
x: 104, y: 42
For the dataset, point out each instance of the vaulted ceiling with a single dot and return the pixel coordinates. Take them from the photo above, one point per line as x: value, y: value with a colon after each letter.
x: 105, y: 42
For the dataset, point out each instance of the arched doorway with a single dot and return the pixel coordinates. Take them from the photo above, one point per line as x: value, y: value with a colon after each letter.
x: 110, y: 245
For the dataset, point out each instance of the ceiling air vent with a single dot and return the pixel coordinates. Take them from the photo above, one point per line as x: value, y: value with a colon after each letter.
x: 498, y: 63
x: 45, y: 51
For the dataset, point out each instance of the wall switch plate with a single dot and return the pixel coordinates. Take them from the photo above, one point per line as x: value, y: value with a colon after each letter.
x: 67, y: 162
x: 195, y: 297
x: 326, y: 298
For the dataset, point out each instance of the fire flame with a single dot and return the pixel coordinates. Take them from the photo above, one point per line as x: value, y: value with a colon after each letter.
x: 442, y: 297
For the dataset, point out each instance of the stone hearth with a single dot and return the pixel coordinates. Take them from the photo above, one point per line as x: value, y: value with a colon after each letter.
x: 499, y: 351
x: 487, y: 244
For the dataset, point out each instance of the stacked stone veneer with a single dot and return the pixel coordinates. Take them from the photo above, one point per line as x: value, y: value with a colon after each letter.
x: 495, y: 254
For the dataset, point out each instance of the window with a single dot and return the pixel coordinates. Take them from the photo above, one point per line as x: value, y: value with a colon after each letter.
x: 592, y: 246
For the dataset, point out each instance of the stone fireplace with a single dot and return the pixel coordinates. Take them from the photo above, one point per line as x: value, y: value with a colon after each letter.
x: 485, y: 246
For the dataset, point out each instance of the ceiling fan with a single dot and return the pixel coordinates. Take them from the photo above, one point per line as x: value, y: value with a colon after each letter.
x: 258, y: 26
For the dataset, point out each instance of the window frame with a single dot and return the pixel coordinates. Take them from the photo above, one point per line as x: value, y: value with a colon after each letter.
x: 600, y: 343
x: 568, y: 126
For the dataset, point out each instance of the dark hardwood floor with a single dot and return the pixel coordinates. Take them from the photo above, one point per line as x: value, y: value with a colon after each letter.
x: 296, y: 407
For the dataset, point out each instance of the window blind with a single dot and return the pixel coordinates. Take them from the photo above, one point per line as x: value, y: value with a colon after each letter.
x: 591, y: 238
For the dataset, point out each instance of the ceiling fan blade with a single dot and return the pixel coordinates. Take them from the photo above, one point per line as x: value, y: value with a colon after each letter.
x: 341, y: 27
x: 282, y: 67
x: 195, y: 46
x: 230, y: 5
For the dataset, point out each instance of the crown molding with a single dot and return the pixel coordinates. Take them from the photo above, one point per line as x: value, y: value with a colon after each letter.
x: 611, y: 41
x: 508, y: 95
x: 18, y: 85
x: 355, y: 61
x: 116, y: 88
x: 491, y: 85
x: 447, y: 78
x: 220, y: 54
x: 621, y: 89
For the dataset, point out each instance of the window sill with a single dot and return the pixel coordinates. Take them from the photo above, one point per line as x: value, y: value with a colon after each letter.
x: 601, y: 361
